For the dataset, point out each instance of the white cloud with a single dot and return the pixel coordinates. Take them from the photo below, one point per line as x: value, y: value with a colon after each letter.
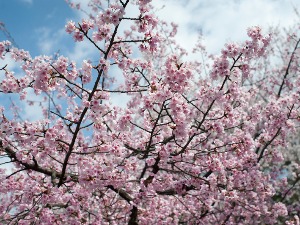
x: 223, y: 21
x: 49, y: 41
x: 11, y: 65
x: 83, y: 50
x: 84, y: 9
x: 33, y: 112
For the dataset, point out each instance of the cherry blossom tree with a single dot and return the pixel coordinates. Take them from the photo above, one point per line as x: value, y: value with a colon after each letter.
x: 188, y: 148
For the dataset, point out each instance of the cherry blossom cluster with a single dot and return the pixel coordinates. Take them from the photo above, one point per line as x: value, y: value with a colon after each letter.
x: 182, y: 149
x: 111, y: 15
x: 177, y: 74
x: 3, y: 47
x: 242, y: 53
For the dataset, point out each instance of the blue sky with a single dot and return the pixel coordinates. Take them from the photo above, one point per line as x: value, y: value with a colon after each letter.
x: 27, y: 20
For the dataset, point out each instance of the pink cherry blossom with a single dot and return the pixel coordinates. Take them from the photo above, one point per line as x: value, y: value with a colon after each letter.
x: 139, y: 135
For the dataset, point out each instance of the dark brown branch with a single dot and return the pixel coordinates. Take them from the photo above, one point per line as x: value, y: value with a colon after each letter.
x: 267, y: 145
x: 133, y: 216
x: 132, y: 41
x: 287, y: 69
x: 85, y: 34
x: 35, y: 166
x: 291, y: 188
x: 122, y: 193
x: 153, y: 129
x: 123, y: 91
x: 78, y: 126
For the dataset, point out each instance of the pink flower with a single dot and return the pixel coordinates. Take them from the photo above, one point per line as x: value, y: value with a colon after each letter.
x: 70, y: 27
